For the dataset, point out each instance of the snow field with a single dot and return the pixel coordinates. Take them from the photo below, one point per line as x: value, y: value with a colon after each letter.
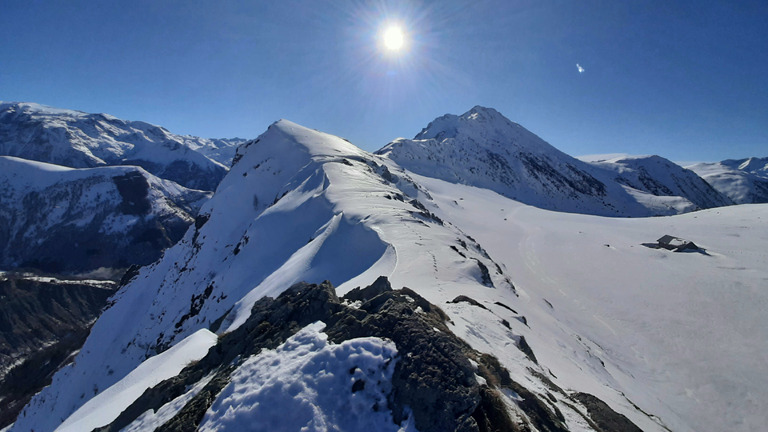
x: 309, y: 384
x: 680, y: 334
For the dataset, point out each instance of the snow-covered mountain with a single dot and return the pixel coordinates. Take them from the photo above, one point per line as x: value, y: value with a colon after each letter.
x: 514, y: 317
x: 221, y: 150
x: 745, y: 181
x: 482, y: 148
x: 60, y: 219
x: 79, y: 140
x: 661, y: 177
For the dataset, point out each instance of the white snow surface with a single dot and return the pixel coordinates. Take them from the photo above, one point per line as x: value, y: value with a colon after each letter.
x: 107, y: 405
x: 663, y: 182
x: 221, y: 150
x: 306, y: 385
x: 745, y: 181
x: 670, y: 340
x: 682, y: 335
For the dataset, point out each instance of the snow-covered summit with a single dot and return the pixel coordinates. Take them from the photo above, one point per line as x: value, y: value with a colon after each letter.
x: 80, y: 140
x: 486, y: 128
x: 483, y: 148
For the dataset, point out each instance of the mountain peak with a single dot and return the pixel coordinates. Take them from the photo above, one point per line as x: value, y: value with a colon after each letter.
x: 284, y: 136
x: 478, y: 121
x: 483, y: 114
x: 35, y: 108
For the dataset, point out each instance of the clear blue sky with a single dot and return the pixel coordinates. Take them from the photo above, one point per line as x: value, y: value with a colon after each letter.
x: 684, y: 79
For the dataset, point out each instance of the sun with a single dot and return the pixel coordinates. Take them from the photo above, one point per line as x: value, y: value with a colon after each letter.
x: 393, y: 38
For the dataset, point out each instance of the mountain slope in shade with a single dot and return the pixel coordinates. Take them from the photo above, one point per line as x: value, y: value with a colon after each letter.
x: 482, y: 148
x: 44, y: 319
x: 502, y: 315
x: 60, y: 219
x: 79, y: 140
x: 745, y: 181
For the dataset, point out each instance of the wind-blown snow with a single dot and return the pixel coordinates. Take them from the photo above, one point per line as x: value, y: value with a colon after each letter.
x: 307, y: 384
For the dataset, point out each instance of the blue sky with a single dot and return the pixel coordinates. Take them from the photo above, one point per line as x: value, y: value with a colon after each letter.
x: 687, y: 80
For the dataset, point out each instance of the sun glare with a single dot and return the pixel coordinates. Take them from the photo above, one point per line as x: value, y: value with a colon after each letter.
x: 393, y: 38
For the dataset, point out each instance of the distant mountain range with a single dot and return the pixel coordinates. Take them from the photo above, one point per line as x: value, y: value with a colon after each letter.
x: 66, y: 220
x: 415, y: 288
x: 745, y: 181
x: 79, y: 140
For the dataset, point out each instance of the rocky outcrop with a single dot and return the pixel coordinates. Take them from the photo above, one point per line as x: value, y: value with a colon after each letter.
x: 438, y: 379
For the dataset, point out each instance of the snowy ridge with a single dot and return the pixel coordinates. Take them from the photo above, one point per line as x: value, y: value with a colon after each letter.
x: 745, y: 181
x: 482, y: 148
x: 256, y: 235
x: 80, y: 140
x: 542, y: 292
x: 72, y: 220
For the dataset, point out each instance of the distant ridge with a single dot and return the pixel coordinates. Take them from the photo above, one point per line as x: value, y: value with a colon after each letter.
x: 483, y: 148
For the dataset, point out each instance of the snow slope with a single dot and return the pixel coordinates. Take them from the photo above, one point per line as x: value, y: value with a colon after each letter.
x: 567, y: 303
x: 483, y: 148
x: 62, y: 219
x: 745, y: 181
x: 681, y: 334
x: 104, y: 408
x: 79, y: 140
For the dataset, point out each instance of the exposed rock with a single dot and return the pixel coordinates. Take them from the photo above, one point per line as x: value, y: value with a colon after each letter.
x: 42, y: 321
x: 434, y: 377
x: 470, y: 300
x: 381, y: 285
x: 603, y: 416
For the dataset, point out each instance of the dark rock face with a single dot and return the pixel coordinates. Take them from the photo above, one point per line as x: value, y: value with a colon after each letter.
x: 605, y: 419
x: 434, y: 377
x: 41, y: 312
x: 133, y: 188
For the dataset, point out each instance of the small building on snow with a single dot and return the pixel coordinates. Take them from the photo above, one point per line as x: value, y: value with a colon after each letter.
x: 676, y: 244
